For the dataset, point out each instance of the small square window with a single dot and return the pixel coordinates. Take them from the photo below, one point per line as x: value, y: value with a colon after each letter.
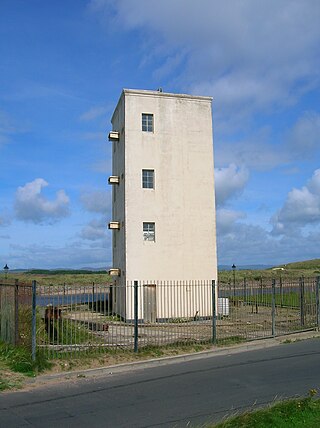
x: 148, y: 178
x: 147, y: 122
x: 149, y: 231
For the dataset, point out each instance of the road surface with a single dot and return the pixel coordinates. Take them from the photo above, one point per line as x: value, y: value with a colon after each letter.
x: 174, y: 395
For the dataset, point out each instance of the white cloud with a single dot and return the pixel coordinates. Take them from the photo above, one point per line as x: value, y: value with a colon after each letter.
x: 95, y: 230
x: 226, y: 220
x: 255, y: 154
x: 96, y: 201
x: 229, y: 182
x: 274, y: 45
x: 30, y: 204
x: 75, y: 255
x: 304, y: 137
x: 301, y: 208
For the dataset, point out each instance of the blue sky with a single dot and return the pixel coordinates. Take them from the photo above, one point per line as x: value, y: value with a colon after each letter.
x: 63, y: 66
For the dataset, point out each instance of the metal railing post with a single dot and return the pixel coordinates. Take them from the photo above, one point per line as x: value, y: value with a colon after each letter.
x: 301, y: 284
x: 34, y: 325
x: 214, y: 312
x: 135, y: 299
x: 317, y: 300
x: 273, y: 308
x: 16, y: 312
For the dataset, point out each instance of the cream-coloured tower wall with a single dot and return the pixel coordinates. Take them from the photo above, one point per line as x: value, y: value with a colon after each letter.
x: 181, y: 204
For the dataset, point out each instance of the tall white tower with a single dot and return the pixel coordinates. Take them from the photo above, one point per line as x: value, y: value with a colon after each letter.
x: 163, y: 215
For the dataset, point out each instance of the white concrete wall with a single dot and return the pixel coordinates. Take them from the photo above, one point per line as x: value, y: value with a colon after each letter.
x: 182, y: 205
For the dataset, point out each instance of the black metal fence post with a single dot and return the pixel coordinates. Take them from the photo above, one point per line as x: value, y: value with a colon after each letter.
x: 214, y: 312
x: 301, y: 285
x: 34, y: 323
x: 16, y: 312
x: 273, y: 308
x: 317, y: 300
x: 135, y: 298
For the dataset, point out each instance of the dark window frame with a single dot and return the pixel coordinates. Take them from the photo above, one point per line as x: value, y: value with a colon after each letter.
x: 148, y: 178
x: 147, y: 122
x: 149, y: 231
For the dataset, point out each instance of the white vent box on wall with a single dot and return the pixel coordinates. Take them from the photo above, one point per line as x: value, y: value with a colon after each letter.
x: 114, y: 272
x: 114, y: 179
x: 113, y: 136
x: 115, y: 225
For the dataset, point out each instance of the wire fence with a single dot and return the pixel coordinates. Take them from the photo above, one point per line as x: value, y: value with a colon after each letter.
x: 72, y: 320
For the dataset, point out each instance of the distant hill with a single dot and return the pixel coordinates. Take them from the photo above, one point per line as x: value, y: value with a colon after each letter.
x: 64, y: 271
x: 245, y: 267
x: 307, y: 264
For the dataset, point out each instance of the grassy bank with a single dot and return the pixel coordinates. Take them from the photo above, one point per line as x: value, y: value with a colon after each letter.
x: 302, y: 412
x: 308, y: 269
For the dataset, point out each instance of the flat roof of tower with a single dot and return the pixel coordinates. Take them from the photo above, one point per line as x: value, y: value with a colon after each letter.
x: 160, y: 93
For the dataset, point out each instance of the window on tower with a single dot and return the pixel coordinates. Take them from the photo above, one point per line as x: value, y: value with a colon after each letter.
x: 147, y: 122
x: 148, y: 178
x: 149, y: 231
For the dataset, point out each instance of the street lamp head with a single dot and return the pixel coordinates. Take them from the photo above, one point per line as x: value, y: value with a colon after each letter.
x: 233, y: 266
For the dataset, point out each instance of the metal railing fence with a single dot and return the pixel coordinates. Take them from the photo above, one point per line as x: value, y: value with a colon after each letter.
x: 271, y: 308
x: 72, y: 320
x: 16, y: 313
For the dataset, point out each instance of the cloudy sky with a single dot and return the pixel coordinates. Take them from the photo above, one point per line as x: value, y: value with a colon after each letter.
x: 63, y: 66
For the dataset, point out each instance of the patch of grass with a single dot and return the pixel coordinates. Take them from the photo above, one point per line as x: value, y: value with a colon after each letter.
x: 291, y: 299
x: 107, y: 357
x: 19, y: 360
x: 232, y: 340
x: 8, y: 383
x: 63, y: 332
x: 303, y: 412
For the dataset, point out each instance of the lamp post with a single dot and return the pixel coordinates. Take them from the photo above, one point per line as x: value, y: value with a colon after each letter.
x: 233, y: 267
x: 6, y: 268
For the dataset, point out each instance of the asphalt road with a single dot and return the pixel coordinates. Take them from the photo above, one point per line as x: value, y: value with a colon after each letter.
x: 174, y: 395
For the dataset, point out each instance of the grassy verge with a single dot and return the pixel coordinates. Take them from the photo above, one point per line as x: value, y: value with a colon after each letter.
x: 102, y: 358
x: 231, y: 340
x: 303, y: 412
x: 16, y: 363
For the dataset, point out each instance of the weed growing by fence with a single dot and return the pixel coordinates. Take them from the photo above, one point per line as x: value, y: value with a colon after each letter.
x: 19, y: 359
